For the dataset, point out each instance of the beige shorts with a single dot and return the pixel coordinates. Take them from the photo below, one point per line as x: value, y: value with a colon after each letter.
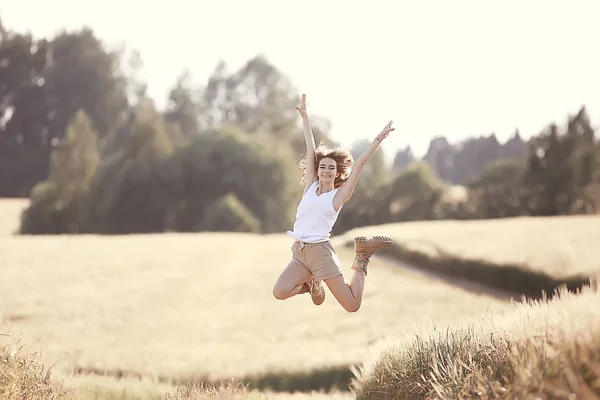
x: 318, y: 258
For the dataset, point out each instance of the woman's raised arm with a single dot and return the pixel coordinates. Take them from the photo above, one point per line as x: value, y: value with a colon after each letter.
x: 310, y: 173
x: 345, y: 193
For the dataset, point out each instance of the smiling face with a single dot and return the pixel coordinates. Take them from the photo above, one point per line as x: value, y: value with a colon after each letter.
x: 327, y: 170
x: 332, y: 166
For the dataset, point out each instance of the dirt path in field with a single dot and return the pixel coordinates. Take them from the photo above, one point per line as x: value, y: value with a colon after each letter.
x: 473, y: 287
x: 470, y: 286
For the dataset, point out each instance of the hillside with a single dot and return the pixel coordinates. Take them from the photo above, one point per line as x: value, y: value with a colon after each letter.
x: 558, y: 246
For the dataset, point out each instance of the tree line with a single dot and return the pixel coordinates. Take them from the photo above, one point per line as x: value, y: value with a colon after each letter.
x: 80, y: 137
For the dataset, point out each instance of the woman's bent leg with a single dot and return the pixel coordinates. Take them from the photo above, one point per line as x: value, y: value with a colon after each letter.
x: 348, y: 295
x: 292, y: 281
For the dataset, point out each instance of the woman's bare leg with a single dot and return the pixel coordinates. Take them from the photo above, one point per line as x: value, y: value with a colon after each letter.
x: 292, y: 281
x: 350, y: 295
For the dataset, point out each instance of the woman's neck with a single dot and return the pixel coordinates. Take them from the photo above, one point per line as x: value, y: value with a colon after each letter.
x: 325, y: 187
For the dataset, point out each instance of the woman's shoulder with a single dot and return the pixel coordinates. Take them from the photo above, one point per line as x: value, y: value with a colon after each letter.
x: 310, y: 187
x: 314, y: 184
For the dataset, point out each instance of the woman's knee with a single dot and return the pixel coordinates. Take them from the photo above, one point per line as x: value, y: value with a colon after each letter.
x: 352, y: 307
x: 343, y: 293
x: 293, y: 275
x: 280, y: 293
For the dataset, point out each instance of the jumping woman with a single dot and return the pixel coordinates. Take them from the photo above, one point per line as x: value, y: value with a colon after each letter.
x: 329, y: 180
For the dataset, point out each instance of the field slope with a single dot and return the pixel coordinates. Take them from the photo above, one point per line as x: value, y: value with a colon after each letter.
x: 558, y: 246
x: 528, y: 257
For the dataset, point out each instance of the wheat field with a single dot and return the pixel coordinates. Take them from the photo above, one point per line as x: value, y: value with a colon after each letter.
x: 559, y: 246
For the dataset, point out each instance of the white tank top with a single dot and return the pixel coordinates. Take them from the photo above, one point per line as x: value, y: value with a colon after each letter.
x: 315, y: 216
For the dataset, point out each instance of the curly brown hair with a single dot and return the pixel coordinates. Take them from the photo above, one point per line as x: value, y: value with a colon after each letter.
x: 343, y: 160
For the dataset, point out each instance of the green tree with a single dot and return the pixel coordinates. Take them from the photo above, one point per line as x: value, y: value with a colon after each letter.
x: 24, y: 143
x: 414, y: 193
x: 135, y: 186
x: 42, y: 85
x: 56, y: 203
x: 183, y: 108
x: 260, y: 172
x: 498, y: 190
x: 228, y: 214
x: 258, y: 99
x: 560, y: 167
x: 441, y: 156
x: 403, y: 159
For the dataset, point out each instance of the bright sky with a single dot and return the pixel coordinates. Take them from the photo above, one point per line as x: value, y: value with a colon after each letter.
x: 461, y: 69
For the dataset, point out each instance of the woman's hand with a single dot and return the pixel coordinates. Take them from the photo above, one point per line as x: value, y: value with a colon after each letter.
x: 385, y: 132
x: 302, y: 108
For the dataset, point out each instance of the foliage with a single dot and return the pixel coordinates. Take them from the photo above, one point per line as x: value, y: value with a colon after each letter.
x: 222, y: 161
x: 499, y: 190
x: 229, y: 214
x: 56, y: 203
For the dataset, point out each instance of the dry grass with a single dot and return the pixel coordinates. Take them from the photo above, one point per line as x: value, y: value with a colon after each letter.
x: 23, y: 376
x: 557, y: 246
x: 538, y: 351
x: 95, y: 388
x: 234, y: 392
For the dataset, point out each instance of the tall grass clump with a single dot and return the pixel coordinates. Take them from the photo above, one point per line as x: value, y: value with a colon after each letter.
x: 222, y: 391
x: 541, y: 349
x: 22, y: 377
